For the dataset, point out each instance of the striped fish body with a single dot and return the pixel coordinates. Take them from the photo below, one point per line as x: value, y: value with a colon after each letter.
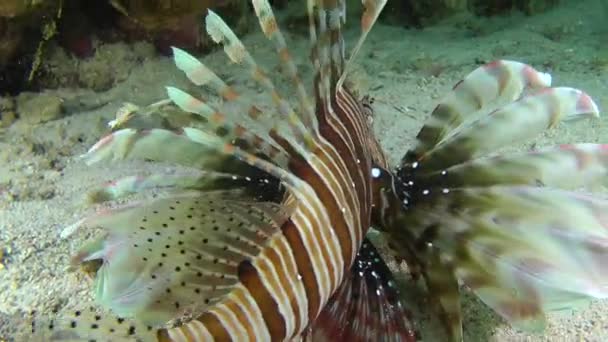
x: 256, y: 247
x: 283, y: 289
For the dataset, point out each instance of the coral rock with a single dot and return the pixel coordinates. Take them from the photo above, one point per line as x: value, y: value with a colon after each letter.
x: 39, y: 108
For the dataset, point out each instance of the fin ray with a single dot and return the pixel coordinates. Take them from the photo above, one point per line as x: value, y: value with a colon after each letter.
x: 487, y: 87
x: 523, y: 250
x: 176, y: 253
x: 515, y: 122
x: 365, y: 306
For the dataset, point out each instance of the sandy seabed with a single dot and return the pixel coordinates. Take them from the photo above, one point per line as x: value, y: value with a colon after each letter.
x: 42, y: 183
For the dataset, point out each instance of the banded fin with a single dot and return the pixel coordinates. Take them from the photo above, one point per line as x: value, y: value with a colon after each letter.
x: 565, y: 167
x: 125, y: 186
x: 327, y: 52
x: 272, y: 31
x: 221, y: 33
x: 488, y: 87
x: 199, y: 74
x: 286, y: 178
x: 154, y: 144
x: 444, y: 290
x: 367, y: 305
x: 523, y: 250
x: 191, y: 147
x: 162, y: 114
x: 229, y: 130
x: 326, y: 19
x: 516, y: 122
x: 176, y: 254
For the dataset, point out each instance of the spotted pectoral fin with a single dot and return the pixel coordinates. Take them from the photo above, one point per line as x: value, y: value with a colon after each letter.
x: 176, y: 254
x: 366, y: 306
x: 86, y: 324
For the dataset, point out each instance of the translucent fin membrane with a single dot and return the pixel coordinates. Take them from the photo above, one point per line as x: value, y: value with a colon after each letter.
x: 271, y: 30
x: 366, y: 306
x: 236, y: 51
x: 483, y: 90
x: 501, y: 224
x: 176, y: 252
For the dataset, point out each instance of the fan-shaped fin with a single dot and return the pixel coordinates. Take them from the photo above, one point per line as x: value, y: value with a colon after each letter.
x: 176, y: 254
x: 565, y: 166
x: 444, y: 292
x: 516, y: 122
x: 486, y: 88
x: 522, y: 250
x: 366, y: 306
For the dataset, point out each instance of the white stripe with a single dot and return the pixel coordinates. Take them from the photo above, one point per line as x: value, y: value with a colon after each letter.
x: 277, y: 292
x: 351, y: 215
x: 313, y: 249
x: 231, y: 323
x: 177, y: 335
x: 199, y: 331
x: 254, y: 315
x: 288, y: 263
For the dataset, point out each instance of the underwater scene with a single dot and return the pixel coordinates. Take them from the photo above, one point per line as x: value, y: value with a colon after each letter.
x: 303, y: 170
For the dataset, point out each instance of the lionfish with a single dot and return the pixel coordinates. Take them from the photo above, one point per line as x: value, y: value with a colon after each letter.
x: 268, y: 243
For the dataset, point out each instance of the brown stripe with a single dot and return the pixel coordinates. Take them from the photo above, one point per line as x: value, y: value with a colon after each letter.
x: 304, y: 265
x: 214, y: 326
x: 304, y: 171
x: 275, y: 259
x: 327, y: 258
x: 349, y: 117
x: 336, y: 218
x: 239, y: 297
x: 162, y: 335
x: 362, y: 169
x: 250, y: 278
